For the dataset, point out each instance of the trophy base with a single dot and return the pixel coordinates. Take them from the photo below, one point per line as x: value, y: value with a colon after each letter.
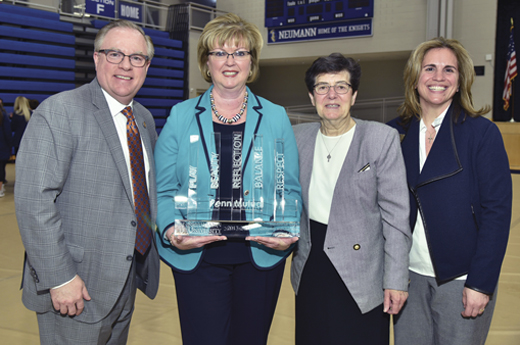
x: 236, y: 229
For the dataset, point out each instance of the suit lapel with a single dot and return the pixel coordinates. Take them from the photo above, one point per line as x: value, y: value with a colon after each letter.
x: 410, y: 149
x: 351, y: 161
x: 443, y: 160
x: 307, y: 161
x: 108, y: 128
x: 205, y: 124
x: 254, y: 117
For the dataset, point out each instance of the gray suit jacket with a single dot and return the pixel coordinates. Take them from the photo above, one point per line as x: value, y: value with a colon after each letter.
x: 74, y: 203
x: 368, y: 234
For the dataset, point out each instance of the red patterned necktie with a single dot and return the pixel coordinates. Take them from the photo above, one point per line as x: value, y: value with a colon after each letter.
x: 141, y: 201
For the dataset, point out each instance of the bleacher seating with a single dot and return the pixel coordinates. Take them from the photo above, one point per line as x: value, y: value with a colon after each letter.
x: 41, y: 55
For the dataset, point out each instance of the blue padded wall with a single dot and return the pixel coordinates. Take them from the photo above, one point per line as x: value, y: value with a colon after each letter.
x: 37, y: 54
x: 41, y: 55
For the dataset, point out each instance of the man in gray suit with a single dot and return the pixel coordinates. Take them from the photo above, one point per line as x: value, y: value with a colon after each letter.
x: 76, y: 182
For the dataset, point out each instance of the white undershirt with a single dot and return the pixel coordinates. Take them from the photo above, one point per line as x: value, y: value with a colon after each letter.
x: 325, y: 173
x: 420, y: 259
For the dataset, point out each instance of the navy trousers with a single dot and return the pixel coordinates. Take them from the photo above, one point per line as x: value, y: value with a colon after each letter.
x: 227, y: 304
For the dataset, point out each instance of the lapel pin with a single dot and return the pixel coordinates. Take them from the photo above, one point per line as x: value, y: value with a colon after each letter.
x: 144, y: 124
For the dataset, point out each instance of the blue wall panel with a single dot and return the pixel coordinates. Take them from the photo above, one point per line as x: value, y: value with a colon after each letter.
x: 34, y: 22
x: 28, y: 35
x: 31, y: 85
x: 167, y: 42
x: 176, y: 54
x: 39, y: 48
x: 24, y: 72
x: 29, y: 12
x: 30, y: 60
x: 156, y: 61
x: 148, y: 102
x: 36, y: 35
x: 162, y: 72
x: 150, y: 81
x: 146, y: 91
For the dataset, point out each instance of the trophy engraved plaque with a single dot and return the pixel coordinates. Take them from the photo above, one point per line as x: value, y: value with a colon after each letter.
x: 256, y: 204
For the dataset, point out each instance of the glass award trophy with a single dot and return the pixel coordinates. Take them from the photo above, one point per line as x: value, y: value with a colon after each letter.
x: 262, y: 210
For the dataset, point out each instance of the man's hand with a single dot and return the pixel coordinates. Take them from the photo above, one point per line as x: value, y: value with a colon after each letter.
x: 68, y: 299
x: 474, y: 302
x: 394, y: 301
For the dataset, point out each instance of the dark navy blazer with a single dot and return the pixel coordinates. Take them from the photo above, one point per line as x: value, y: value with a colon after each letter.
x: 5, y: 138
x: 464, y: 195
x: 18, y: 125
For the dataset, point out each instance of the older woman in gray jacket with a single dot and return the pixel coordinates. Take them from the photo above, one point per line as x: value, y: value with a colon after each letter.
x: 350, y: 270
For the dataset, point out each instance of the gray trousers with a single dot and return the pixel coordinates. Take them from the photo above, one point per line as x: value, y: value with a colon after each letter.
x: 56, y: 329
x: 432, y: 315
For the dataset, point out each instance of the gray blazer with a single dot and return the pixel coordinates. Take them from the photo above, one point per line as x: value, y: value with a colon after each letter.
x: 74, y: 203
x: 368, y: 234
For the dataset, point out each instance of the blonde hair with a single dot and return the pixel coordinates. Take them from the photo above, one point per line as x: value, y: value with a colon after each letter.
x: 463, y: 99
x: 21, y: 107
x: 230, y: 28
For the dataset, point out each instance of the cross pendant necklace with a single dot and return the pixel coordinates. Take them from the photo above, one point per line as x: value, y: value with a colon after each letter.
x: 330, y: 151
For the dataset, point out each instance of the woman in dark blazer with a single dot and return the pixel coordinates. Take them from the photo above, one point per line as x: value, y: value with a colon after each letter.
x: 5, y: 145
x: 19, y: 119
x: 460, y: 200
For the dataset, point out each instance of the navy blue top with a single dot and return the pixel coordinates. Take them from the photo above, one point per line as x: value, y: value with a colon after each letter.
x: 18, y: 125
x: 234, y: 250
x: 5, y: 138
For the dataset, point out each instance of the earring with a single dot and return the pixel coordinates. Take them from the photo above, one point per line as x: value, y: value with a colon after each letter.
x: 208, y: 73
x: 250, y: 73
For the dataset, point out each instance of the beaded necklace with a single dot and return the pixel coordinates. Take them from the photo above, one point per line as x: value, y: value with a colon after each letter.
x: 222, y: 118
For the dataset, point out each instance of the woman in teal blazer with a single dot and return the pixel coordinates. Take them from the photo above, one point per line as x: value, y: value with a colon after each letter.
x: 193, y: 118
x: 227, y: 288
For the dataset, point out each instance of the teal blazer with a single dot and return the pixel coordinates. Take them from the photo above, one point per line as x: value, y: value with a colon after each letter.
x: 193, y: 118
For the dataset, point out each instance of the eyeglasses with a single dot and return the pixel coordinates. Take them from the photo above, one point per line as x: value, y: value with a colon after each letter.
x: 238, y: 55
x: 114, y: 56
x: 340, y: 88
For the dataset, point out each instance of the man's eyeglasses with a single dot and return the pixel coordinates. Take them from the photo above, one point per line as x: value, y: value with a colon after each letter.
x: 340, y: 88
x: 114, y: 56
x: 222, y: 55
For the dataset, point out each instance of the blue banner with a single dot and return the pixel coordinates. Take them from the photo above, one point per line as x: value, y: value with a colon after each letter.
x: 106, y: 8
x: 130, y: 11
x: 353, y: 28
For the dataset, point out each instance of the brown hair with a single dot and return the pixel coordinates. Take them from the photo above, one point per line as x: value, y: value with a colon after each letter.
x: 462, y: 99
